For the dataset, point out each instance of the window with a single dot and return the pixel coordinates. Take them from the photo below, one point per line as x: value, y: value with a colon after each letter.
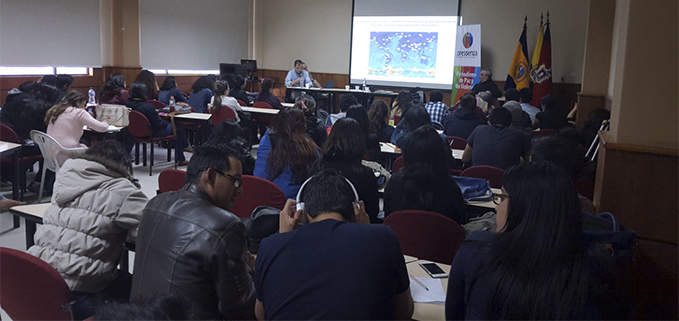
x: 39, y: 71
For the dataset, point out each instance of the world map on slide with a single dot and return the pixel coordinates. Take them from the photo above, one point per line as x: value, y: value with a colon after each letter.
x: 403, y: 54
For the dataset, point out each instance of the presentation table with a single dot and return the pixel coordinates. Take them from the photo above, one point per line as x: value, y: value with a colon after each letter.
x: 363, y: 96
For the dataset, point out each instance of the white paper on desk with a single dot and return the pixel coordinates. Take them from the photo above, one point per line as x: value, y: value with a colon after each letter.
x: 421, y: 295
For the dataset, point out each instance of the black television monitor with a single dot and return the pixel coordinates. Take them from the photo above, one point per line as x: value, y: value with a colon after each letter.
x: 249, y: 64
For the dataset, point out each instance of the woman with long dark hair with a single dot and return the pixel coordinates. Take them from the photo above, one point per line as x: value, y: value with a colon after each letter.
x: 315, y: 126
x: 201, y: 93
x: 113, y: 91
x: 414, y: 118
x: 169, y: 89
x: 372, y: 143
x: 220, y: 99
x: 266, y: 96
x: 379, y: 120
x: 237, y: 90
x: 424, y: 182
x: 148, y: 78
x: 343, y: 151
x: 286, y: 153
x: 537, y: 266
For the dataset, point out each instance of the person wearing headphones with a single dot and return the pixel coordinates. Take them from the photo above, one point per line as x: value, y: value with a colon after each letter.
x: 333, y: 267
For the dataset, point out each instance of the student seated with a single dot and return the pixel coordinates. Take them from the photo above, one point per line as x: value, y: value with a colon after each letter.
x: 266, y: 96
x: 345, y: 102
x: 550, y: 117
x: 496, y: 144
x: 535, y: 266
x: 191, y: 246
x: 229, y: 133
x: 169, y: 89
x: 148, y: 78
x: 220, y: 99
x: 379, y: 120
x: 436, y: 108
x: 526, y: 97
x: 343, y: 151
x: 66, y: 119
x: 237, y: 90
x: 201, y: 94
x: 285, y: 152
x: 315, y: 126
x: 96, y: 207
x: 114, y: 92
x: 332, y: 267
x: 401, y: 103
x: 413, y: 119
x: 159, y: 127
x: 463, y: 122
x: 424, y: 182
x: 372, y: 143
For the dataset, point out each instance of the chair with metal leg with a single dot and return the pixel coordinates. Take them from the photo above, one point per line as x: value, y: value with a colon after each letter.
x: 53, y: 154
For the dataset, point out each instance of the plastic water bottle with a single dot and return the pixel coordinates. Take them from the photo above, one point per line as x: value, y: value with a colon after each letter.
x: 172, y: 102
x: 92, y: 103
x: 392, y: 120
x: 364, y: 84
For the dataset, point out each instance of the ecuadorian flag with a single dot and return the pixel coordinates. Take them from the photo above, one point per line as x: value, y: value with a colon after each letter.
x: 518, y: 76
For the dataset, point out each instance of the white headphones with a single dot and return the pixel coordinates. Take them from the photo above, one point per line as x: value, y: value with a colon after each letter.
x: 300, y: 204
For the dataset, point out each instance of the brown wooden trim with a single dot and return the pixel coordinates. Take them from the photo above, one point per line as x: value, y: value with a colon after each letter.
x: 610, y: 143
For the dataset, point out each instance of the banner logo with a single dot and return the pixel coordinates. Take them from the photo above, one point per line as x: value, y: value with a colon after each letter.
x: 521, y: 71
x: 467, y: 40
x: 541, y: 74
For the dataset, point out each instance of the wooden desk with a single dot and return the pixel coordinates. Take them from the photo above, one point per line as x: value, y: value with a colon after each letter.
x: 428, y: 311
x: 261, y: 111
x: 33, y: 215
x: 202, y: 119
x: 13, y: 150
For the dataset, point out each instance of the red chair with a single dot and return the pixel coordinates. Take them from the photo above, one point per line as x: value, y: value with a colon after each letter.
x: 242, y: 103
x: 32, y: 289
x: 140, y: 130
x: 544, y: 132
x: 262, y: 119
x: 455, y: 142
x: 397, y: 165
x: 257, y: 192
x: 490, y: 173
x: 156, y: 104
x: 7, y: 134
x: 221, y: 114
x: 426, y: 235
x: 170, y: 180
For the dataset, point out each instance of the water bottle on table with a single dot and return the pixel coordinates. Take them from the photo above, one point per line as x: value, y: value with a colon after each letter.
x: 91, y: 106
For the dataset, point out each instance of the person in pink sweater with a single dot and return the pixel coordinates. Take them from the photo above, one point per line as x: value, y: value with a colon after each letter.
x: 66, y: 119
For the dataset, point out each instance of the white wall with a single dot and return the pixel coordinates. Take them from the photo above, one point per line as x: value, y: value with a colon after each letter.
x: 50, y: 33
x: 315, y: 31
x: 318, y: 32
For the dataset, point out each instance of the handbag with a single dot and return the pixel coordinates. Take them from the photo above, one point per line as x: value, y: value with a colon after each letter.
x: 474, y: 189
x: 116, y: 115
x: 604, y: 229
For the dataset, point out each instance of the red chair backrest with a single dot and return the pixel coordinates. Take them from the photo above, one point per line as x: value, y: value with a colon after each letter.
x: 544, y: 132
x: 455, y: 142
x: 140, y: 126
x: 397, y: 119
x: 240, y: 102
x: 397, y: 165
x: 32, y: 289
x: 257, y: 192
x: 171, y: 180
x: 262, y: 104
x: 426, y: 235
x: 221, y: 114
x: 156, y: 104
x: 490, y: 173
x: 7, y: 134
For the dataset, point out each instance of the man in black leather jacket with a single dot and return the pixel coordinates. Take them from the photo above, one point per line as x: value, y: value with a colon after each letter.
x: 190, y: 245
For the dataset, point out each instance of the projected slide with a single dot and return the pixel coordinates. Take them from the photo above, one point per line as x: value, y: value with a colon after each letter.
x: 408, y: 54
x: 403, y: 51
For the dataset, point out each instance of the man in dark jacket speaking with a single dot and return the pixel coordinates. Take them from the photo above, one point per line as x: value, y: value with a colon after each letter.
x: 190, y: 245
x: 487, y: 84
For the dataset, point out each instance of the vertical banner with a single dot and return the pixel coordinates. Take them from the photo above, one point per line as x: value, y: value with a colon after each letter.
x: 467, y: 60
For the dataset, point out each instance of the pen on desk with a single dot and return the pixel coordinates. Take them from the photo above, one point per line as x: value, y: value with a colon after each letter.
x: 419, y: 282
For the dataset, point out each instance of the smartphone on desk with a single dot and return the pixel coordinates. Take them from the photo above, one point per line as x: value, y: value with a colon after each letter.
x: 434, y: 270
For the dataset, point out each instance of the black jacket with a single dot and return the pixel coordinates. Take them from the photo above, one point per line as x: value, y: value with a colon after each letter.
x: 488, y: 85
x: 186, y: 246
x: 147, y: 109
x: 316, y: 130
x: 461, y: 123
